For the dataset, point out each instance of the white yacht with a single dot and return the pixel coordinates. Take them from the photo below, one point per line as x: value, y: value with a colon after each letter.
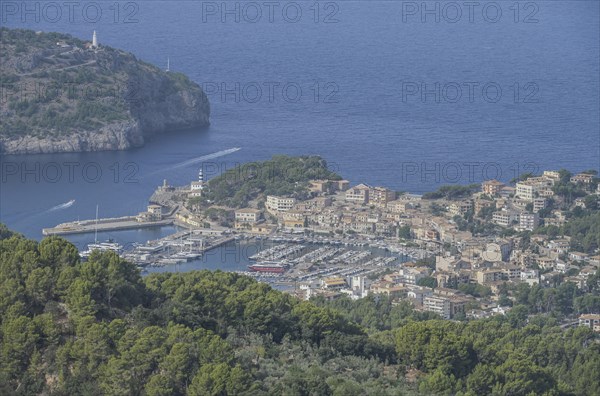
x: 102, y: 247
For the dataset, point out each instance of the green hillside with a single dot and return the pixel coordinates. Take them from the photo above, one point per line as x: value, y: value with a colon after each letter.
x: 281, y: 175
x: 54, y: 86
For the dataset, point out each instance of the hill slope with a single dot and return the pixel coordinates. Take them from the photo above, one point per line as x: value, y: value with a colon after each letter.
x: 281, y: 175
x: 60, y: 95
x: 98, y: 328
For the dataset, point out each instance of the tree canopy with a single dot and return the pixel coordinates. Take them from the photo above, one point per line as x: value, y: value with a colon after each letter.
x: 282, y: 175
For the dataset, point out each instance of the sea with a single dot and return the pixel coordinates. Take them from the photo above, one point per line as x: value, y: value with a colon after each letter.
x: 402, y: 94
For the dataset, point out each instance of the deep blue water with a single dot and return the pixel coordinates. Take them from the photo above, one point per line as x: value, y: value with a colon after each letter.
x: 365, y: 119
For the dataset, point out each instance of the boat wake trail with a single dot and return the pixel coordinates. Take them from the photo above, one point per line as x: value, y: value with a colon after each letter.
x: 197, y: 160
x: 61, y: 206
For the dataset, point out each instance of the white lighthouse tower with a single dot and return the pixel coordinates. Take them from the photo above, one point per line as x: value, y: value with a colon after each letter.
x: 197, y: 186
x: 94, y: 40
x: 200, y: 179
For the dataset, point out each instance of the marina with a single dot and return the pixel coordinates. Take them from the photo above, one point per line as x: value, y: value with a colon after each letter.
x: 282, y: 257
x: 179, y: 248
x: 291, y: 260
x: 102, y: 247
x: 280, y: 260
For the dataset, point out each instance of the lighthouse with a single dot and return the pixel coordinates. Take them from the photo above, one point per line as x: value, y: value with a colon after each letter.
x: 196, y: 187
x: 200, y: 179
x: 94, y: 40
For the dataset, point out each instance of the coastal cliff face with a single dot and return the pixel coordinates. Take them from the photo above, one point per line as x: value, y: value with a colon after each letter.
x: 115, y: 136
x: 59, y: 95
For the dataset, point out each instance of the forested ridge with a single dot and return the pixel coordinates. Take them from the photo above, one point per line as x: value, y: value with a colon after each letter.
x: 92, y: 328
x: 281, y: 175
x: 60, y: 94
x: 71, y: 89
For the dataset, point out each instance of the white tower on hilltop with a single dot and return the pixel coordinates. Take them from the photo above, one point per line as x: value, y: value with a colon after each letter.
x: 169, y: 68
x: 200, y: 179
x: 95, y: 40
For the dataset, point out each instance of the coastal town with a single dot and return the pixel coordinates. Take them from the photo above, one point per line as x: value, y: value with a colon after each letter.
x: 458, y: 252
x: 303, y: 199
x: 454, y: 256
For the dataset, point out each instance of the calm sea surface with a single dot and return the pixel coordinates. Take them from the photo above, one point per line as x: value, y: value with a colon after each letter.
x: 352, y: 81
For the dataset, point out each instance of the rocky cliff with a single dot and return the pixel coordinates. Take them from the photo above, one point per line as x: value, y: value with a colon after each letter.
x: 59, y: 94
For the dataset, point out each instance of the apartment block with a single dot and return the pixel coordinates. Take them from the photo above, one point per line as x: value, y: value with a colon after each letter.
x: 530, y: 276
x: 513, y: 272
x: 554, y: 175
x: 247, y: 215
x: 412, y: 275
x: 398, y: 206
x: 506, y: 192
x: 539, y: 204
x: 294, y: 219
x: 529, y: 221
x: 481, y: 204
x: 328, y: 186
x: 585, y: 178
x: 505, y: 217
x: 491, y: 187
x: 342, y: 185
x: 380, y: 196
x: 525, y: 191
x: 417, y: 293
x: 320, y: 186
x: 445, y: 306
x: 279, y: 204
x: 459, y: 208
x: 488, y: 275
x: 358, y: 194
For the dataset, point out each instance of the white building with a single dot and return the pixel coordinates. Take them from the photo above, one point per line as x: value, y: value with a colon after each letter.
x: 247, y: 216
x: 154, y: 213
x: 418, y: 293
x: 445, y: 306
x: 539, y: 204
x: 530, y: 276
x: 554, y: 175
x: 359, y: 286
x: 525, y: 191
x: 590, y: 320
x: 459, y: 208
x: 504, y: 217
x: 279, y: 204
x: 412, y: 275
x: 529, y: 221
x: 358, y: 194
